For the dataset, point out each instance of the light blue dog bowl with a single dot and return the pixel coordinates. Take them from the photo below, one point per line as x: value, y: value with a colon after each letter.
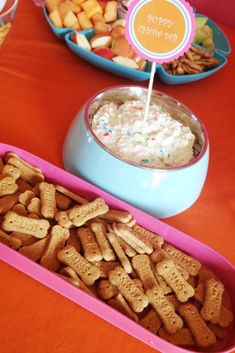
x: 162, y: 192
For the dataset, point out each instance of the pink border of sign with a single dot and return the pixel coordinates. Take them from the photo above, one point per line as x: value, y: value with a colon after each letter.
x: 129, y: 37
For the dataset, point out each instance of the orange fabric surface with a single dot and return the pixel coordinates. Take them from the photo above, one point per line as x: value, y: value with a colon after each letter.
x: 42, y: 86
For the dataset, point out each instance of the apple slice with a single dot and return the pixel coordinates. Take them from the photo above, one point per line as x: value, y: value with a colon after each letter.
x: 100, y: 27
x: 69, y: 20
x: 81, y: 41
x: 120, y: 46
x: 120, y: 22
x: 55, y: 18
x: 118, y: 31
x: 104, y: 52
x: 101, y: 40
x: 125, y: 62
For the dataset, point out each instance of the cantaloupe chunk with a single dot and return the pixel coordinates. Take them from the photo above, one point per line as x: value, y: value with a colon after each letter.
x: 91, y: 7
x: 56, y: 18
x: 84, y: 21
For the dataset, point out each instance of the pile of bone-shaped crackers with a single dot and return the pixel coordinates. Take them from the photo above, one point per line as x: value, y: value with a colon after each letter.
x: 105, y: 253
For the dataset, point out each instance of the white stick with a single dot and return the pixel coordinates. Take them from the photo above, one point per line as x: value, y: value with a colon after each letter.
x: 150, y: 88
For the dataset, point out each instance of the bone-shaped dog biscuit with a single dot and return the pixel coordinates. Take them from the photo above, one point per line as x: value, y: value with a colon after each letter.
x: 9, y: 240
x: 73, y: 240
x: 26, y: 239
x: 151, y: 321
x: 25, y: 197
x: 7, y: 202
x: 56, y: 243
x: 155, y: 240
x: 8, y: 185
x: 48, y: 201
x: 85, y: 270
x: 204, y: 337
x: 34, y: 206
x: 36, y: 227
x: 183, y: 337
x: 106, y: 290
x: 167, y: 269
x: 80, y: 214
x: 29, y: 173
x: 101, y: 237
x: 141, y: 265
x: 36, y: 250
x: 90, y: 246
x: 131, y: 292
x: 12, y: 171
x: 187, y: 262
x: 128, y: 234
x: 171, y: 321
x: 119, y: 252
x: 212, y: 301
x: 63, y: 220
x: 117, y: 216
x: 71, y: 194
x: 20, y: 209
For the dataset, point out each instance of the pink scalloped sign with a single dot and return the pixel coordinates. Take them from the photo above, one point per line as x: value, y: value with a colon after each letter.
x: 160, y: 30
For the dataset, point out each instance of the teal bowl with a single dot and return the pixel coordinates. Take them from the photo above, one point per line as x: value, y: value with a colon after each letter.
x: 105, y: 64
x: 162, y: 192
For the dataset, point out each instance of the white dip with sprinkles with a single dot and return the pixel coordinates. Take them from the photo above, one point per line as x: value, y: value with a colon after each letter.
x: 160, y: 141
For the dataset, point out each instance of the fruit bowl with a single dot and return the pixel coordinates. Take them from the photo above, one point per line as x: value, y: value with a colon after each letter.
x: 105, y: 64
x: 221, y: 43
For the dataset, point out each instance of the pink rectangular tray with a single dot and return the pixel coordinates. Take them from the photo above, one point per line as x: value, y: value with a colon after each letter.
x: 202, y: 252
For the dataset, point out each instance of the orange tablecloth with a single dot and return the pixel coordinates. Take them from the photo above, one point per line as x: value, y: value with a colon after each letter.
x: 42, y: 86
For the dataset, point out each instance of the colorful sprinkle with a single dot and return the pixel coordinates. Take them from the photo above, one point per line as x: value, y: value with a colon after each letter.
x: 145, y: 160
x: 107, y: 129
x: 103, y: 119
